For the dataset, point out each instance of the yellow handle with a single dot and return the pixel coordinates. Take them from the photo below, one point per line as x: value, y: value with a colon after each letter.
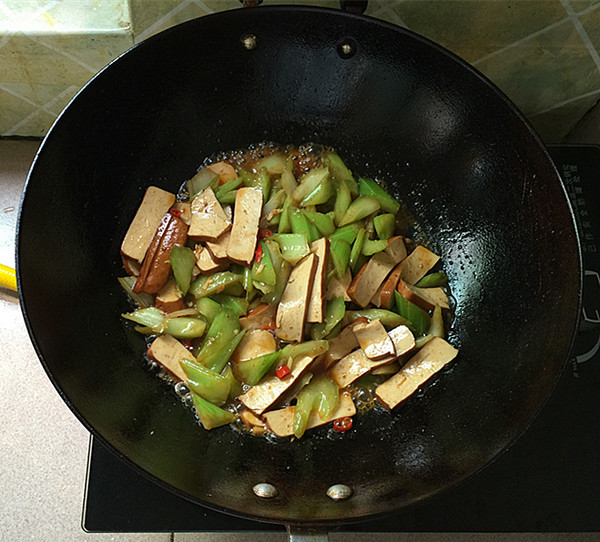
x: 8, y: 277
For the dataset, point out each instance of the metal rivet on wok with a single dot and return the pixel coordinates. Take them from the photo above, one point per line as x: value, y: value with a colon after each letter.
x: 347, y: 47
x: 249, y: 41
x: 266, y: 491
x: 339, y: 492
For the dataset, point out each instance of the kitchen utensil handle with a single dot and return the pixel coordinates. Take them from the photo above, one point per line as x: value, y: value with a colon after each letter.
x: 8, y: 278
x: 306, y: 534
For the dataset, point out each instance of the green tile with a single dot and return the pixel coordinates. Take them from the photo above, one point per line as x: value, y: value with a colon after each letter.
x: 591, y: 23
x: 544, y: 71
x: 580, y: 5
x: 475, y: 28
x: 12, y: 110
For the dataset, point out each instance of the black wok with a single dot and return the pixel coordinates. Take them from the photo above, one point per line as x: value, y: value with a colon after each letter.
x: 394, y: 105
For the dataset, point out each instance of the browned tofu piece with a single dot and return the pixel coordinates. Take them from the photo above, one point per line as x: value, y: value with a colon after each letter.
x: 218, y: 247
x: 396, y: 248
x: 389, y: 369
x: 225, y: 171
x: 206, y: 262
x: 374, y: 340
x: 426, y: 298
x: 246, y: 217
x: 385, y: 294
x: 168, y: 351
x: 357, y: 364
x: 417, y: 264
x: 255, y: 343
x: 169, y: 298
x: 291, y: 311
x: 420, y: 368
x: 315, y: 311
x: 251, y: 420
x: 155, y: 204
x: 260, y: 397
x: 367, y: 281
x: 339, y: 347
x: 209, y: 221
x: 338, y: 288
x: 186, y: 210
x: 281, y: 422
x: 262, y: 317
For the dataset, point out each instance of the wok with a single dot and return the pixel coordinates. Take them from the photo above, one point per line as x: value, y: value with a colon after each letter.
x: 395, y: 106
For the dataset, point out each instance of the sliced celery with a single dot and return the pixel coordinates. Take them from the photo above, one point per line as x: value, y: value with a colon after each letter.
x: 388, y: 318
x: 347, y: 233
x: 339, y: 171
x: 301, y: 224
x: 369, y: 188
x: 222, y: 338
x: 208, y: 308
x: 436, y: 328
x: 357, y: 249
x: 433, y: 280
x: 282, y: 271
x: 322, y: 222
x: 227, y: 187
x: 309, y: 182
x: 252, y: 371
x: 418, y: 318
x: 263, y: 271
x: 235, y: 388
x: 293, y: 246
x: 205, y: 177
x: 206, y: 285
x: 276, y: 163
x: 373, y: 246
x: 322, y: 395
x: 149, y: 317
x: 237, y: 305
x: 210, y: 415
x: 339, y: 251
x: 288, y: 181
x: 343, y: 200
x: 183, y: 262
x: 185, y: 327
x: 306, y: 348
x: 320, y: 195
x: 228, y: 198
x: 205, y: 382
x: 285, y: 225
x: 275, y: 202
x: 385, y: 225
x: 247, y: 280
x: 360, y: 208
x: 335, y: 311
x: 142, y: 300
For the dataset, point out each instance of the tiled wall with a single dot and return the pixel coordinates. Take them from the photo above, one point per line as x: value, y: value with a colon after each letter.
x: 543, y: 53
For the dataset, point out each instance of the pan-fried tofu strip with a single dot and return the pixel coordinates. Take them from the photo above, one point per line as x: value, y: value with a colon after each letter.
x: 338, y: 288
x: 426, y: 298
x: 260, y: 397
x: 420, y: 368
x: 316, y: 301
x: 246, y: 216
x: 169, y: 298
x: 168, y: 351
x: 374, y: 340
x: 225, y: 171
x: 367, y: 281
x: 396, y: 248
x: 417, y: 263
x: 255, y: 343
x: 155, y: 204
x: 357, y: 364
x: 206, y: 262
x: 209, y: 221
x: 186, y: 210
x: 219, y: 247
x: 281, y: 422
x: 389, y: 369
x: 291, y: 312
x: 258, y: 318
x: 339, y: 347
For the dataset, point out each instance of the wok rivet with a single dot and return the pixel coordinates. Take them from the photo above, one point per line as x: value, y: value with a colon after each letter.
x: 339, y: 492
x: 265, y: 491
x: 249, y: 41
x: 347, y: 47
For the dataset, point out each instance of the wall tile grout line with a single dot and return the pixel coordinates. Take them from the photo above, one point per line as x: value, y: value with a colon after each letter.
x: 146, y: 33
x: 582, y: 33
x: 566, y: 102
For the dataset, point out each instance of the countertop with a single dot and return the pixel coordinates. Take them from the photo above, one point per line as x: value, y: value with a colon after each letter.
x: 44, y: 447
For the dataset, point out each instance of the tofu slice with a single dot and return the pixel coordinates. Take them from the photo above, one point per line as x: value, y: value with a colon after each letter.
x: 251, y: 420
x: 246, y: 216
x: 155, y: 204
x: 389, y: 369
x: 206, y: 262
x: 186, y: 210
x: 370, y: 277
x: 417, y: 264
x: 374, y: 340
x: 396, y: 248
x: 169, y: 298
x: 420, y: 368
x: 224, y: 170
x: 209, y: 221
x: 384, y: 297
x: 218, y: 247
x: 357, y: 364
x: 291, y: 311
x: 261, y: 317
x: 260, y: 397
x: 338, y: 288
x: 426, y: 298
x: 339, y: 347
x: 168, y: 351
x: 281, y: 422
x: 256, y: 342
x: 315, y: 311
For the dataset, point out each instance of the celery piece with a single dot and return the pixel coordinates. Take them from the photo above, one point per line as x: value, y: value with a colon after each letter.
x: 276, y: 163
x: 320, y: 195
x: 263, y: 271
x: 185, y: 327
x: 293, y: 246
x: 388, y: 318
x: 357, y: 249
x: 205, y: 382
x: 339, y: 171
x: 237, y: 305
x: 263, y: 287
x: 207, y: 285
x: 418, y: 318
x: 343, y: 200
x: 322, y: 222
x: 340, y: 255
x: 282, y: 273
x: 285, y: 225
x: 420, y: 342
x: 252, y: 370
x: 433, y: 280
x: 227, y: 187
x: 205, y: 177
x: 142, y: 300
x: 385, y: 225
x: 221, y: 340
x: 301, y: 224
x: 369, y: 188
x: 373, y: 246
x: 182, y: 261
x: 150, y: 317
x: 274, y: 202
x: 208, y: 308
x: 309, y: 182
x: 334, y: 313
x: 347, y: 233
x: 288, y: 181
x: 306, y: 348
x: 322, y: 395
x: 228, y: 198
x: 234, y: 289
x: 210, y: 415
x: 360, y: 208
x: 235, y: 388
x: 264, y: 183
x: 247, y: 280
x: 436, y: 328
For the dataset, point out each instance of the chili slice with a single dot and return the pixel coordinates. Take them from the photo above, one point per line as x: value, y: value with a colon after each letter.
x: 342, y: 424
x: 282, y: 372
x: 258, y: 254
x: 263, y: 233
x: 176, y: 212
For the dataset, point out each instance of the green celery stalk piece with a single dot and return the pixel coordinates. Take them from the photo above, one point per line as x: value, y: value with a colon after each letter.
x: 182, y: 261
x: 340, y: 256
x: 237, y: 305
x: 275, y: 202
x: 322, y: 395
x: 285, y: 224
x: 210, y: 415
x: 436, y: 328
x: 309, y: 182
x: 388, y: 318
x: 205, y: 177
x: 420, y: 342
x: 357, y: 248
x: 322, y: 222
x: 142, y: 300
x: 205, y: 382
x: 234, y: 289
x: 185, y: 327
x: 264, y: 272
x: 262, y: 287
x: 343, y: 199
x: 347, y: 233
x: 369, y: 188
x: 293, y: 246
x: 264, y: 183
x: 385, y: 225
x: 433, y: 280
x: 360, y: 208
x: 283, y: 273
x: 253, y: 370
x: 235, y: 388
x: 223, y: 192
x: 228, y: 198
x: 329, y: 395
x: 306, y: 348
x: 222, y: 338
x: 288, y: 181
x: 335, y: 311
x: 304, y: 406
x: 418, y: 318
x: 373, y: 246
x: 149, y: 317
x: 276, y: 163
x: 320, y: 195
x: 339, y: 171
x: 207, y: 285
x: 208, y: 308
x: 301, y: 224
x: 247, y: 280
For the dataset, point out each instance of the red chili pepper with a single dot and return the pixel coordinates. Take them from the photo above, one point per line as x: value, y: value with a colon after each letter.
x: 258, y: 254
x: 186, y: 342
x: 342, y: 424
x: 282, y: 372
x: 176, y: 212
x: 263, y: 233
x: 270, y: 326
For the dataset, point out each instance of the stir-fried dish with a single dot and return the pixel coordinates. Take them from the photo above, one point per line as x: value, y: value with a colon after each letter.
x: 277, y: 287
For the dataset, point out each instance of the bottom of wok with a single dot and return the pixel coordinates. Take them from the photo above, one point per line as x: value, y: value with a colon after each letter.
x: 400, y: 108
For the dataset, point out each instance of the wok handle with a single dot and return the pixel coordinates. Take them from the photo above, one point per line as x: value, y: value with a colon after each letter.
x: 306, y: 534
